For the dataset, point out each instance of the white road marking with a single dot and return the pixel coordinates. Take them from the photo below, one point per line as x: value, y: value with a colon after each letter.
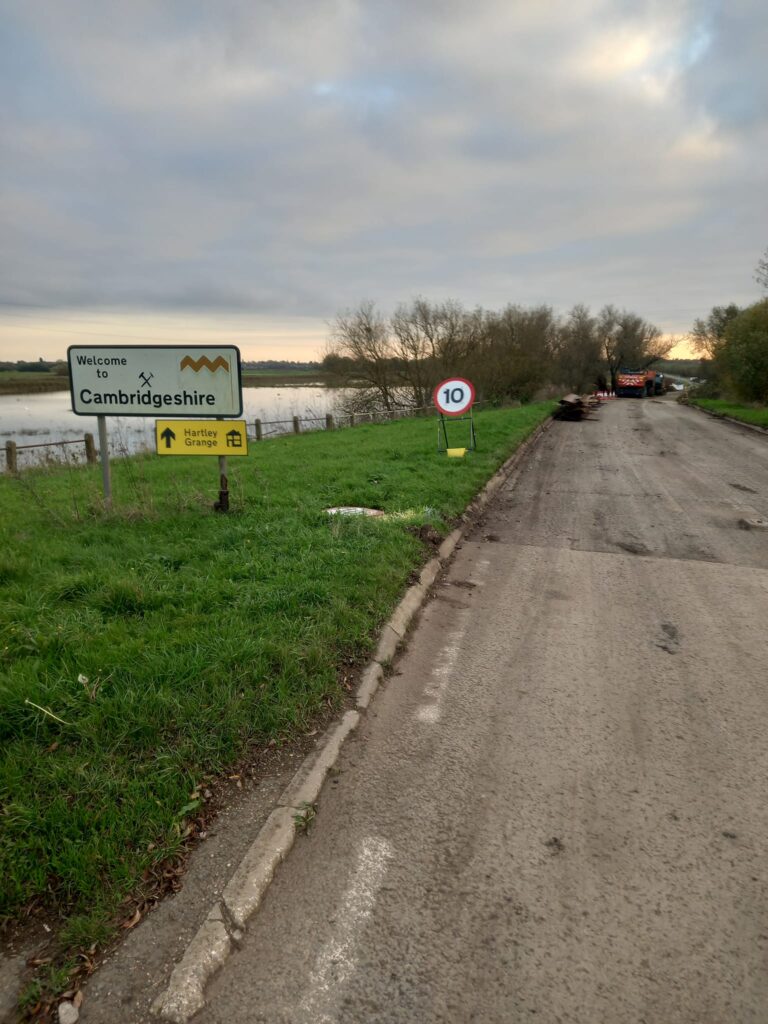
x: 441, y: 673
x: 335, y: 963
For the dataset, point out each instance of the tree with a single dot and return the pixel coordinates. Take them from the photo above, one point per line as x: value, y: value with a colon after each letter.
x: 513, y: 354
x: 429, y: 342
x: 708, y: 335
x: 745, y: 353
x: 362, y: 347
x: 761, y: 270
x: 628, y: 341
x: 578, y: 354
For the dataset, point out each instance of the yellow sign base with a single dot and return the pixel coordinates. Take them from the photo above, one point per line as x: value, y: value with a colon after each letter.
x: 456, y: 453
x: 201, y: 437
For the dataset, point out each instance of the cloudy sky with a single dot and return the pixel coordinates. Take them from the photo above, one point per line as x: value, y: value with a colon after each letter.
x: 243, y: 170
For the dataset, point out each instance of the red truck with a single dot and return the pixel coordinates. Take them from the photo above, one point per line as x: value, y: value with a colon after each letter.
x: 639, y: 383
x: 630, y: 383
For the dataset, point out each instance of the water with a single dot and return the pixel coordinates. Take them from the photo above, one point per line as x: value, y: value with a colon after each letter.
x: 41, y: 418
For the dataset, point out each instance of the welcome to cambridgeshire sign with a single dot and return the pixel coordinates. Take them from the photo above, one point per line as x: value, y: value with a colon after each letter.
x: 155, y: 380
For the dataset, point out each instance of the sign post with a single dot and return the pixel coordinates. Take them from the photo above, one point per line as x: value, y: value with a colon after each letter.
x: 152, y: 380
x: 106, y: 476
x: 222, y: 505
x: 454, y: 398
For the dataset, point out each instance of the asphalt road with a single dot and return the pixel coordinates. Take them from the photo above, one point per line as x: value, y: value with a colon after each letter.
x: 556, y: 810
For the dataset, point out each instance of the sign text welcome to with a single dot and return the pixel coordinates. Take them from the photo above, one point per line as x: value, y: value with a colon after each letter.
x: 152, y: 380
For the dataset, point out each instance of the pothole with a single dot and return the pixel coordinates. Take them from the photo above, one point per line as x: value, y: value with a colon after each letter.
x: 753, y: 524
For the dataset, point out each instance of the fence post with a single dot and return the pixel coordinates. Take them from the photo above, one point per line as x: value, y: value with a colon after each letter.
x: 296, y: 425
x: 257, y: 425
x: 329, y: 421
x: 10, y: 457
x: 351, y: 419
x: 90, y: 448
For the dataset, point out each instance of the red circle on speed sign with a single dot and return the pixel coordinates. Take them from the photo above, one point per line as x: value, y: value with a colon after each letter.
x: 454, y: 396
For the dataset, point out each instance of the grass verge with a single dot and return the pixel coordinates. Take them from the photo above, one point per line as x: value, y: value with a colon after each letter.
x: 757, y: 415
x: 142, y: 651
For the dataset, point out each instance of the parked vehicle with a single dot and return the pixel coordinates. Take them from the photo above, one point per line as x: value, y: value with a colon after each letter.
x: 631, y: 384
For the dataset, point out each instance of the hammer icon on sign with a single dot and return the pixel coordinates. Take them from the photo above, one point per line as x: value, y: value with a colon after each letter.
x: 146, y: 379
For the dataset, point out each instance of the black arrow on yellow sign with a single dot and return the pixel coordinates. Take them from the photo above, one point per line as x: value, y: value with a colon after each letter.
x: 168, y: 436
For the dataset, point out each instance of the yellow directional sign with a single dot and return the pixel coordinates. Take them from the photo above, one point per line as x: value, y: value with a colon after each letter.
x: 201, y: 437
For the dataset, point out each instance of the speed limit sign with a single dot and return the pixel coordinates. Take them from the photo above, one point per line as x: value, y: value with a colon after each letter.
x: 453, y: 397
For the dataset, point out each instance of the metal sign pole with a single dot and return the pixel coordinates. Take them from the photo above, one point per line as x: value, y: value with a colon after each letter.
x: 442, y: 429
x: 106, y: 476
x: 222, y: 505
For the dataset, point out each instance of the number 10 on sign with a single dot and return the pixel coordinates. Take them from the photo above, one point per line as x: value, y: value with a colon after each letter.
x: 454, y: 398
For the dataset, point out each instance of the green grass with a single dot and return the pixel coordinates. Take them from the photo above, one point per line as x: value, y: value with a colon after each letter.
x: 754, y: 414
x: 282, y: 373
x: 278, y: 378
x: 13, y: 382
x: 143, y: 650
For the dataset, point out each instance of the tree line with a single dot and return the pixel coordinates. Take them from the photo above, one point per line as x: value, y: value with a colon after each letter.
x: 57, y: 366
x: 514, y: 353
x: 734, y: 340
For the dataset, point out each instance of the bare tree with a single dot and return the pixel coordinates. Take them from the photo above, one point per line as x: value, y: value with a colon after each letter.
x: 361, y: 350
x: 628, y: 341
x: 428, y: 340
x: 513, y: 353
x: 515, y: 350
x: 578, y: 355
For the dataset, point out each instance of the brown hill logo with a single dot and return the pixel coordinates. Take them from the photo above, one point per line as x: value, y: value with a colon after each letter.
x: 204, y: 361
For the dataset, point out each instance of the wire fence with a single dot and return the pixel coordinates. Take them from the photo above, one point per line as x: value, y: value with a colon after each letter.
x: 263, y: 430
x: 258, y: 430
x: 12, y: 449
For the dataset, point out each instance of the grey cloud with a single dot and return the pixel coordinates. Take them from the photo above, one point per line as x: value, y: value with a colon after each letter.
x: 295, y: 158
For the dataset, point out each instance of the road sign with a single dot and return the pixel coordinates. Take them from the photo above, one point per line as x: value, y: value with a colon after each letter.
x: 151, y: 380
x: 201, y: 437
x: 454, y: 397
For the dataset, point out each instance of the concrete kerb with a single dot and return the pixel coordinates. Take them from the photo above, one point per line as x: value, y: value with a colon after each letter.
x: 245, y: 889
x: 308, y: 781
x: 369, y: 684
x: 213, y: 942
x: 429, y: 573
x: 205, y: 953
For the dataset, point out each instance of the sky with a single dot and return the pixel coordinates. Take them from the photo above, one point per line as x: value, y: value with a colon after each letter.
x: 178, y: 170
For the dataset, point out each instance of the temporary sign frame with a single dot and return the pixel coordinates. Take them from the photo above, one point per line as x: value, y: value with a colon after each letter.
x: 443, y: 445
x: 454, y: 399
